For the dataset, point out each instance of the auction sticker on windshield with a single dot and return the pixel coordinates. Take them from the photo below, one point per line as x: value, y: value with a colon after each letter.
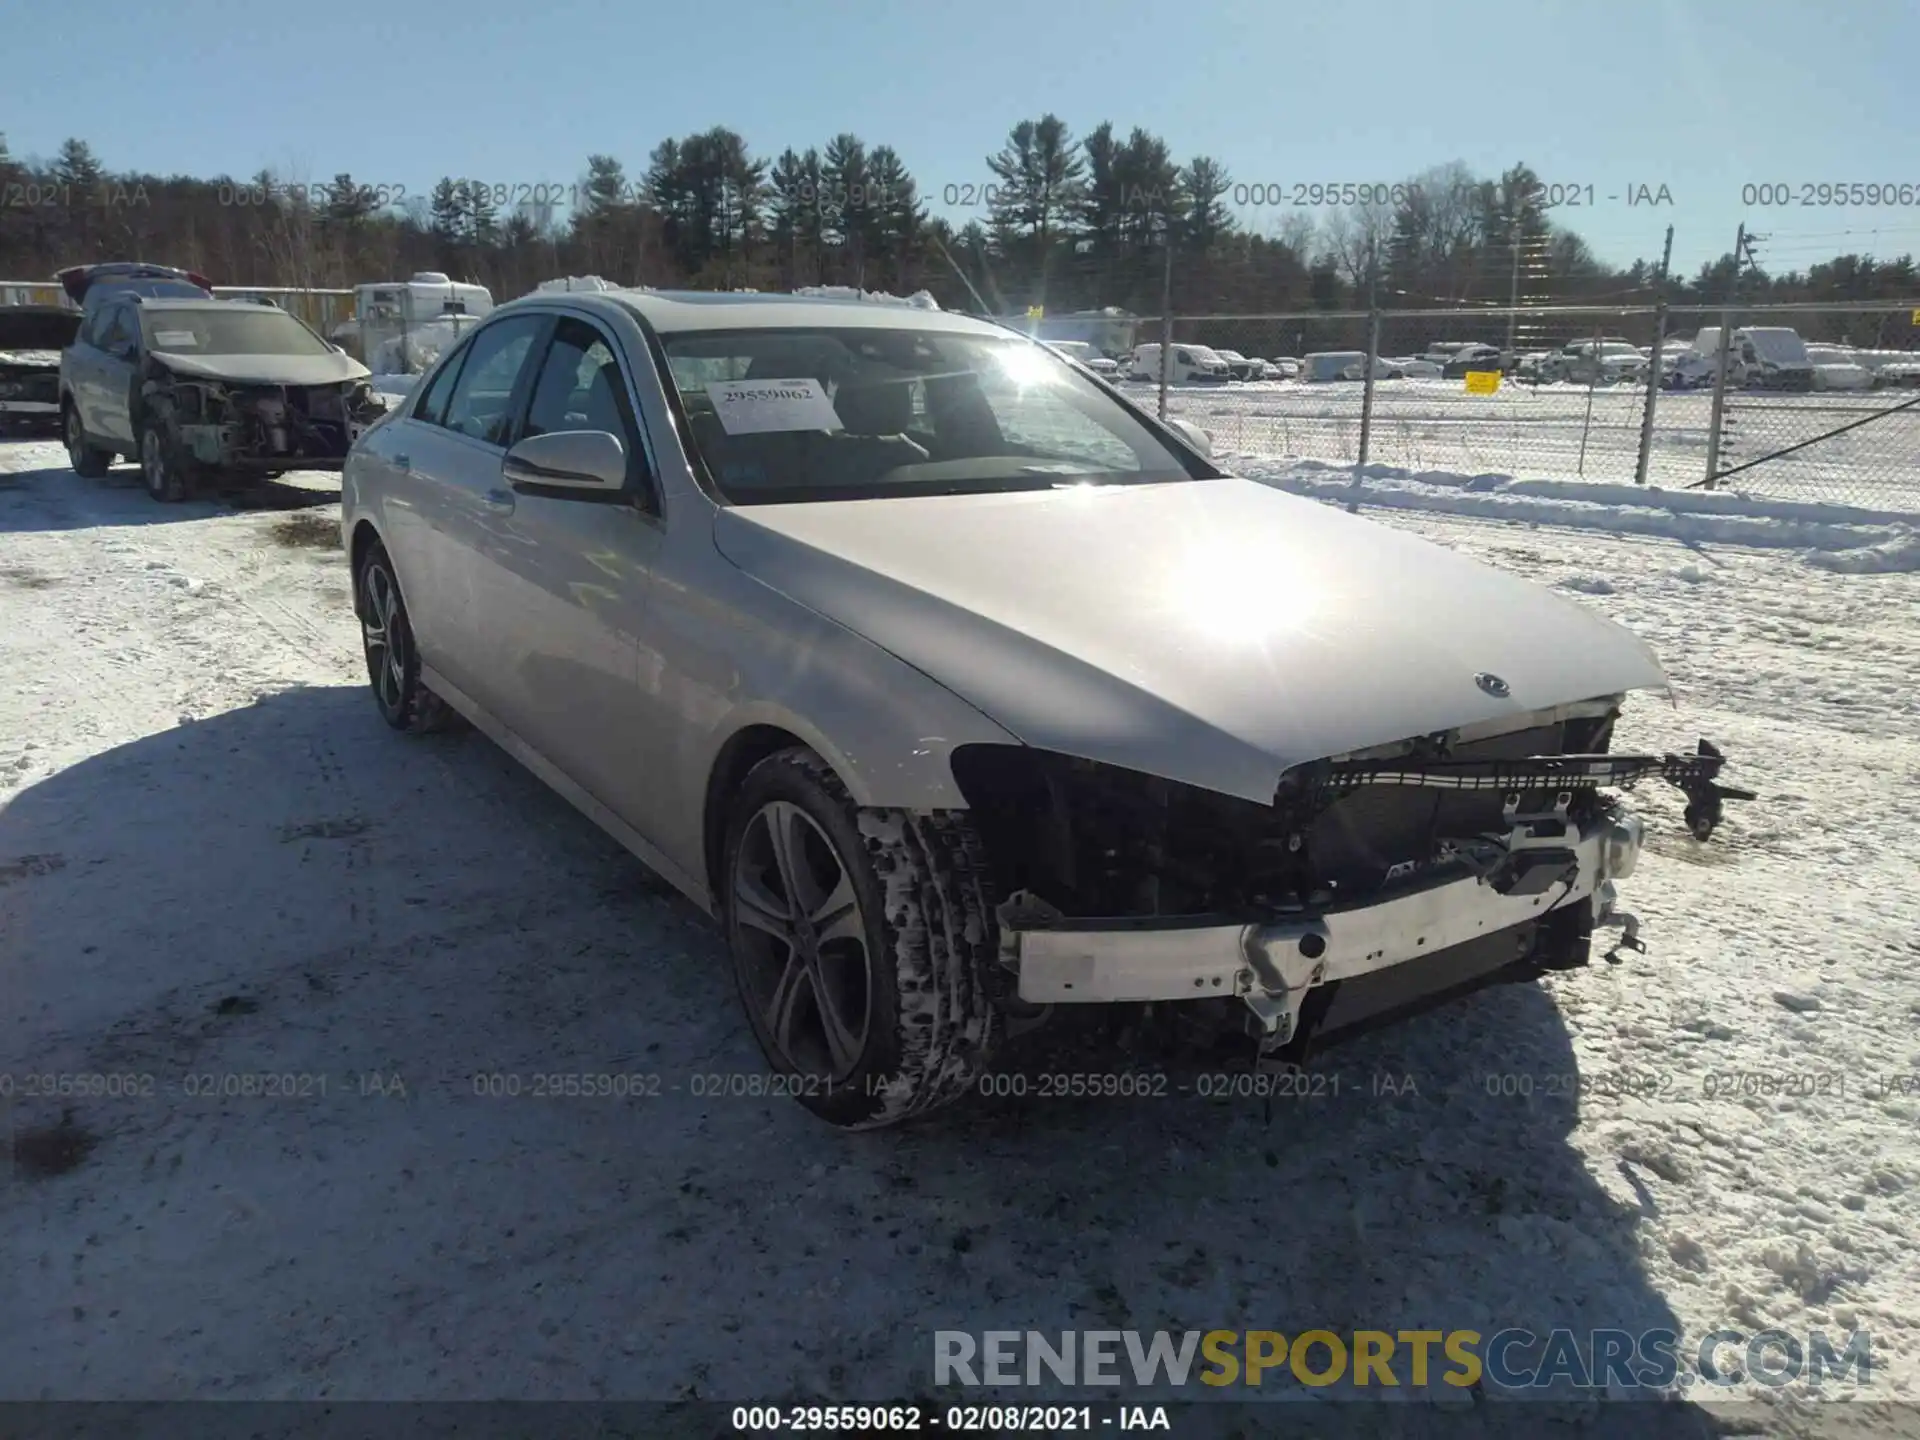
x: 175, y: 339
x: 753, y: 407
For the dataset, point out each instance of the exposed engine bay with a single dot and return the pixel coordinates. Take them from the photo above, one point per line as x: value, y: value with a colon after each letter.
x: 225, y: 425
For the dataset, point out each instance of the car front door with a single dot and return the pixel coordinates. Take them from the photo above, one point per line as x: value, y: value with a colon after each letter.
x: 452, y: 445
x: 563, y: 582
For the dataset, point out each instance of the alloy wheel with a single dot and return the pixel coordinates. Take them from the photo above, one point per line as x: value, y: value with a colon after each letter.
x: 802, y: 943
x: 153, y: 463
x: 383, y: 630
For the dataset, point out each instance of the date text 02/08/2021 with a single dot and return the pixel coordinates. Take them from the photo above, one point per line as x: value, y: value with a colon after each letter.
x: 954, y: 1419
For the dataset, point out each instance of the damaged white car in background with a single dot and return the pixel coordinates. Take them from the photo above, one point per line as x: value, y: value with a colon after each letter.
x: 205, y: 390
x: 959, y: 689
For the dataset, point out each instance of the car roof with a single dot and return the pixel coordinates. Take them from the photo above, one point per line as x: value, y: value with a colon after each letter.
x: 188, y: 302
x: 678, y: 311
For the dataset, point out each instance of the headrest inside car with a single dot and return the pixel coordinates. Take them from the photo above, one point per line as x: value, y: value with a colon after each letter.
x: 885, y: 408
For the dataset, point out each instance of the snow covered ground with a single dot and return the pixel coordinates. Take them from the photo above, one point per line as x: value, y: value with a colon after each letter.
x: 215, y: 861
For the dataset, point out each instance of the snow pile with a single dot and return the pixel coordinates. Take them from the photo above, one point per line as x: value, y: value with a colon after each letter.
x: 1867, y: 541
x: 919, y: 300
x: 1899, y: 554
x: 29, y: 357
x: 568, y: 283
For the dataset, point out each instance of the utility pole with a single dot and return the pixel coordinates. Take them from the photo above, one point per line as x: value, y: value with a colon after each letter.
x: 1166, y: 319
x: 1653, y: 366
x: 1372, y: 364
x: 1513, y: 284
x: 1719, y: 414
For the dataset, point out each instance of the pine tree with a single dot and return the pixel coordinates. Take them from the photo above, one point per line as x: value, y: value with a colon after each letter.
x: 1038, y: 173
x: 349, y: 203
x: 78, y: 168
x: 844, y: 170
x: 1204, y: 218
x: 898, y: 216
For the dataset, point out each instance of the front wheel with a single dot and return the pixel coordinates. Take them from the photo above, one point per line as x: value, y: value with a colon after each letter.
x: 861, y: 943
x: 160, y: 465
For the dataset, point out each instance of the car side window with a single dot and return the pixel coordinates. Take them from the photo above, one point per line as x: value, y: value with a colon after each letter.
x: 581, y: 386
x: 481, y: 404
x: 432, y: 407
x: 116, y: 329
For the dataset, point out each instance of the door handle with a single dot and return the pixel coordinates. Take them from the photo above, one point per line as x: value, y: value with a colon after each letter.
x: 500, y: 500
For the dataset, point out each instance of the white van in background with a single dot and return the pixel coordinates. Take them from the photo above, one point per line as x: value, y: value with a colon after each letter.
x: 1766, y: 357
x: 1191, y: 364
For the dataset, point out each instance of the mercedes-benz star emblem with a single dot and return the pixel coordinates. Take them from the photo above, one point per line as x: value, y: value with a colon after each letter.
x: 1493, y: 685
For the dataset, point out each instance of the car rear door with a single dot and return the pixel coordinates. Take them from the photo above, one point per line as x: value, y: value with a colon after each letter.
x: 451, y: 447
x: 564, y: 581
x: 381, y: 479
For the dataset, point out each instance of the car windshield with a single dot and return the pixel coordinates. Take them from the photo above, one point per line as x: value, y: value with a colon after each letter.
x: 256, y: 330
x: 1072, y: 349
x: 789, y: 415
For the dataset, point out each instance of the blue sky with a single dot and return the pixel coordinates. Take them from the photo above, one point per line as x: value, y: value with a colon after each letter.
x: 1700, y: 98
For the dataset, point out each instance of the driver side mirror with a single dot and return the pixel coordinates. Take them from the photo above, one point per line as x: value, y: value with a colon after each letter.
x: 583, y: 460
x: 1193, y: 435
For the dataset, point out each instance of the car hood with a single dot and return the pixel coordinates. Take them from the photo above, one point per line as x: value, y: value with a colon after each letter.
x: 329, y: 369
x: 1214, y: 632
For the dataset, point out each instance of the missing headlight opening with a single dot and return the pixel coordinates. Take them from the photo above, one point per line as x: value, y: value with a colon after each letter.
x: 1096, y: 841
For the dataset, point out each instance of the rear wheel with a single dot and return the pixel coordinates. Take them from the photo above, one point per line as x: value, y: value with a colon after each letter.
x: 393, y: 663
x: 88, y: 462
x: 861, y: 941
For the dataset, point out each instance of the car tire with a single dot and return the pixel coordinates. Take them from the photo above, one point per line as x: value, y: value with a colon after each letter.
x: 88, y: 462
x: 161, y: 467
x: 393, y: 660
x: 895, y: 936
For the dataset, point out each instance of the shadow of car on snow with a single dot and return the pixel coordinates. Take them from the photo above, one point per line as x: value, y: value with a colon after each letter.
x: 290, y: 885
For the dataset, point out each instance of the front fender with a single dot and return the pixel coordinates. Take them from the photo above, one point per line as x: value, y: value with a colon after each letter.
x: 887, y: 729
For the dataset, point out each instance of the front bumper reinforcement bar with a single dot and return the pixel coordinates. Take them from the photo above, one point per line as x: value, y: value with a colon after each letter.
x: 1306, y: 788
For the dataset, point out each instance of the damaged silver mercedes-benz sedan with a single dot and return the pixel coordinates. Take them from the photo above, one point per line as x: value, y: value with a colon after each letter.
x: 959, y: 690
x: 206, y: 391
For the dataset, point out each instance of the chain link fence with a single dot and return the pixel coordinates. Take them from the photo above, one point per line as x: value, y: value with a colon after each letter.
x: 1559, y: 391
x: 1844, y: 426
